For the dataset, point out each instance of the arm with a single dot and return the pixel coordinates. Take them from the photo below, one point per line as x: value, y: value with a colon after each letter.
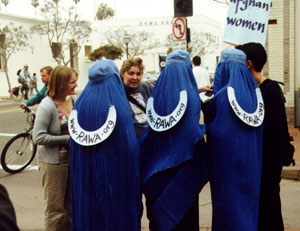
x: 21, y: 74
x: 45, y: 120
x: 37, y: 98
x: 275, y: 117
x: 29, y: 76
x: 276, y: 135
x: 205, y: 88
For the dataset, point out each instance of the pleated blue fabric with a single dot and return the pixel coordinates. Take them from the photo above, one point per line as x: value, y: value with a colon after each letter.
x: 234, y: 148
x: 172, y: 173
x: 105, y: 177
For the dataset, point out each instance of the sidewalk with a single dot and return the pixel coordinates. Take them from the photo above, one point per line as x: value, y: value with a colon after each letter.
x: 26, y: 193
x: 293, y: 172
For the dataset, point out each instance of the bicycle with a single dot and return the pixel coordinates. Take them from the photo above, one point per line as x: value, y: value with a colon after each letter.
x: 18, y: 92
x: 20, y: 150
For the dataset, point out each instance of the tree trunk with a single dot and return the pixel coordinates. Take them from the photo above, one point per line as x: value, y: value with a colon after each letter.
x: 7, y: 78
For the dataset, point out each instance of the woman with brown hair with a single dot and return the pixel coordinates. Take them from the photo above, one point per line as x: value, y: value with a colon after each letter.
x: 137, y: 92
x: 50, y: 133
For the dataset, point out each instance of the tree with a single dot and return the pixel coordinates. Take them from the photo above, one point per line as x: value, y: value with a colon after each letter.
x: 64, y: 29
x: 5, y: 3
x: 13, y: 39
x: 76, y: 2
x: 139, y: 40
x: 201, y: 43
x: 35, y: 4
x: 104, y: 12
x: 107, y: 51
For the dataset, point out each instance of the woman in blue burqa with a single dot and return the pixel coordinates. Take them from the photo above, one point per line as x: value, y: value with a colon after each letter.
x: 172, y: 166
x: 234, y: 137
x: 104, y: 155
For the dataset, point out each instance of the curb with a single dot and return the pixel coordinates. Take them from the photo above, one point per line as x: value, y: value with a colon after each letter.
x: 291, y: 173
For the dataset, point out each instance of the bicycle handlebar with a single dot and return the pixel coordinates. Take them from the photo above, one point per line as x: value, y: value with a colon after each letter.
x: 27, y: 109
x: 30, y: 117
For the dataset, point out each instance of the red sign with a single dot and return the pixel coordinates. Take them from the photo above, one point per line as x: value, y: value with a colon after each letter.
x: 179, y: 28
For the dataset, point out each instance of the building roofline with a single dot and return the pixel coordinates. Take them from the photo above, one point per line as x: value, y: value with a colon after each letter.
x: 19, y: 18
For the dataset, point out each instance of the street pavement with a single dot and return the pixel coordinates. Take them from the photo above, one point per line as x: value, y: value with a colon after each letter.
x: 26, y: 193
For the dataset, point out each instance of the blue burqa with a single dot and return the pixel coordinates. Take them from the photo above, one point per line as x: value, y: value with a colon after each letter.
x: 234, y: 138
x: 172, y: 167
x: 105, y: 176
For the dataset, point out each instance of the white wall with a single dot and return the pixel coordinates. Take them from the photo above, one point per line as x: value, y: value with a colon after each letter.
x: 41, y: 55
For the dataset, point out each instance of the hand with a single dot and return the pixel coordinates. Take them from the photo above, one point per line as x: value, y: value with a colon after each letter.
x: 23, y: 105
x: 205, y: 88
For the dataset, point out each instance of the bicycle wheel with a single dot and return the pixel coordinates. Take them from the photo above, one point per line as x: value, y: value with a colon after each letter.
x: 17, y: 97
x: 18, y: 153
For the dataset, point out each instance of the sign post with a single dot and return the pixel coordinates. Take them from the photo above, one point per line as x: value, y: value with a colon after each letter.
x: 179, y: 30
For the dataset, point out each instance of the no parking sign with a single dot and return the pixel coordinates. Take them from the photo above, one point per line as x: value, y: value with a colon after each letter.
x: 179, y: 28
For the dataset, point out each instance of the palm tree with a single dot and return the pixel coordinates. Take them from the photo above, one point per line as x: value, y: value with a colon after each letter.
x: 35, y: 4
x: 5, y: 3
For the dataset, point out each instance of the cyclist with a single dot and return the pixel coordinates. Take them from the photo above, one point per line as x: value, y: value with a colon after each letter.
x: 23, y: 78
x: 37, y: 98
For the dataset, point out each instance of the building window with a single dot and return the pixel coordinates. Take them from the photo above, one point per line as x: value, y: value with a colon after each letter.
x: 87, y: 51
x: 272, y: 21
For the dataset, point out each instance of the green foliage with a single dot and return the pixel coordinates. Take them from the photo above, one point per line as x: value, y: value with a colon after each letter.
x: 107, y: 51
x: 104, y: 12
x: 15, y: 39
x: 35, y: 3
x: 5, y: 2
x: 62, y: 25
x: 76, y: 1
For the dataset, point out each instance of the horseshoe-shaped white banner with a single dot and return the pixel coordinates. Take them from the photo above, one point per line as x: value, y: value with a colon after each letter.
x: 89, y: 138
x: 162, y: 123
x: 254, y: 119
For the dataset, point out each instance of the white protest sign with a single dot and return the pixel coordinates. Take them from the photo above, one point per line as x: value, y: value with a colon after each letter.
x: 89, y: 138
x: 254, y: 119
x: 162, y: 123
x: 247, y: 21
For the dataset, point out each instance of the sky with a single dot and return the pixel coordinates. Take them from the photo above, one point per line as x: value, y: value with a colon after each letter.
x: 124, y: 8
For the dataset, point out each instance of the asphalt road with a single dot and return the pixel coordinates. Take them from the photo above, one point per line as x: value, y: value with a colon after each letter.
x: 12, y: 122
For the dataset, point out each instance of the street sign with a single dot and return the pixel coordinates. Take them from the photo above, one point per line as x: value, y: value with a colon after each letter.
x: 179, y: 28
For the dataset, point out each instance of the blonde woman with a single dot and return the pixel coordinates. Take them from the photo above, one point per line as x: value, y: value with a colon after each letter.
x: 50, y: 133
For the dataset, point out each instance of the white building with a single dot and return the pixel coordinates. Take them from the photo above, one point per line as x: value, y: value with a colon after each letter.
x: 39, y: 54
